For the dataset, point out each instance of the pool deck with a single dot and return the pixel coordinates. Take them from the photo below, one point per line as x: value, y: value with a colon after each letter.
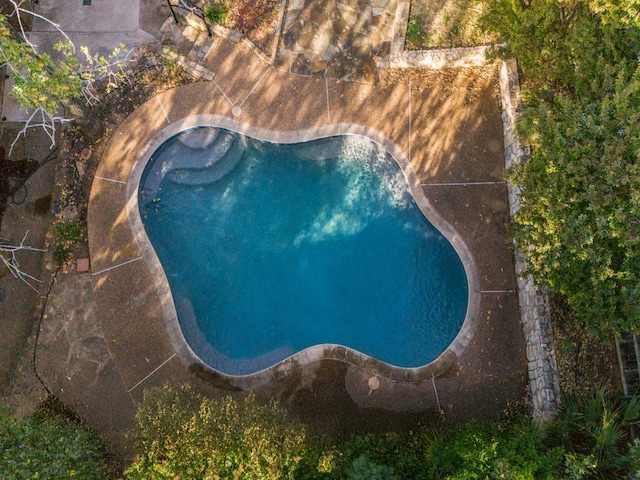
x: 454, y: 145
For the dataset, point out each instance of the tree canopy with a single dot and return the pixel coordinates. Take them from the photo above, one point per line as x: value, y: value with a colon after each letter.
x: 43, y: 83
x: 579, y: 222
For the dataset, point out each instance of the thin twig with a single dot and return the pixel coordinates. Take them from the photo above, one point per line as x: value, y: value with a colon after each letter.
x: 12, y: 261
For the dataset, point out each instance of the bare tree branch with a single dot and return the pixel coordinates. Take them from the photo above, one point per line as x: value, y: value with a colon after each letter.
x: 47, y: 122
x: 9, y: 259
x: 18, y: 10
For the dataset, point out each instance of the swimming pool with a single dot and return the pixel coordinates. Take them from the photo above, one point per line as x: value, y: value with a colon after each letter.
x: 272, y: 249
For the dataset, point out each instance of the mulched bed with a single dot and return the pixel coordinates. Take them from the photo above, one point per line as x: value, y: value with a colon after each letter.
x: 585, y: 362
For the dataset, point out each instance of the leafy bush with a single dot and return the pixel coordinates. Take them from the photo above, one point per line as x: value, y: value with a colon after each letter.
x: 49, y: 445
x: 181, y: 434
x: 217, y: 14
x: 480, y: 451
x: 581, y: 90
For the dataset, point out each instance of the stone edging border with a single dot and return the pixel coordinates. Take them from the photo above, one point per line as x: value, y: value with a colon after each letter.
x: 318, y: 352
x: 440, y: 58
x: 534, y: 308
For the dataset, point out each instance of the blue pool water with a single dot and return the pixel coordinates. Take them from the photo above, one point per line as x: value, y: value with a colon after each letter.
x: 270, y: 249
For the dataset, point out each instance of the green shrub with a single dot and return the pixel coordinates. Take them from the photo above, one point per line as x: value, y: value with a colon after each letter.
x: 51, y: 444
x: 217, y: 14
x: 181, y: 434
x: 480, y: 451
x: 595, y: 429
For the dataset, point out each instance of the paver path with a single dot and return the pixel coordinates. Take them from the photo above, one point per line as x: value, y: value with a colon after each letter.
x: 337, y: 39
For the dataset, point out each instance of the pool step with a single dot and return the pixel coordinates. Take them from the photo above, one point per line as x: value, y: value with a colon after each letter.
x: 194, y: 150
x: 212, y: 171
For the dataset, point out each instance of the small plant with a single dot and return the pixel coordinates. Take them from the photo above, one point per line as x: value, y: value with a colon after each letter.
x: 67, y: 235
x: 69, y: 232
x: 61, y: 254
x: 217, y: 14
x: 416, y: 34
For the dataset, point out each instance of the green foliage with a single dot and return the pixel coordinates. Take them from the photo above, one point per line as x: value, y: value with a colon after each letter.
x: 69, y: 231
x: 42, y: 82
x: 67, y: 235
x: 578, y: 222
x: 416, y: 34
x: 384, y: 454
x: 595, y: 428
x: 61, y: 254
x: 217, y: 14
x: 39, y: 81
x: 480, y: 451
x: 364, y: 469
x: 581, y: 204
x: 181, y: 434
x: 49, y: 445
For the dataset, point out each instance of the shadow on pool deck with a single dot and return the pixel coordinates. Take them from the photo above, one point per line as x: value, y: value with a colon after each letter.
x: 450, y: 127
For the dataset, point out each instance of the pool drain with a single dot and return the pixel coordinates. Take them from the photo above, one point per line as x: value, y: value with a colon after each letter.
x: 374, y: 383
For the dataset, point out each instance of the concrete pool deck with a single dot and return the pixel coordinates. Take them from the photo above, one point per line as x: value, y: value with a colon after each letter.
x: 454, y: 144
x: 448, y: 126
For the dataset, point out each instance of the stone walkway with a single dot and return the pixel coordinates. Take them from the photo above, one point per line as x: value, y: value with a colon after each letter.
x: 345, y: 40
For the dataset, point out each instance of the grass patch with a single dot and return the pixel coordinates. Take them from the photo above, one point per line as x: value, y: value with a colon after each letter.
x: 217, y: 14
x: 68, y: 234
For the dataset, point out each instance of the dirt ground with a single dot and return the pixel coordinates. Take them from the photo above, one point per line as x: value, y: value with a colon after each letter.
x: 445, y: 24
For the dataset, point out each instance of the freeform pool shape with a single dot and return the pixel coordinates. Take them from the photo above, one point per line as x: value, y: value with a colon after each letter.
x: 272, y: 249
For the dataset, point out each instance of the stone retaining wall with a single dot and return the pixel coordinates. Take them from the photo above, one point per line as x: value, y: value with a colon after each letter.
x: 534, y: 307
x: 440, y: 58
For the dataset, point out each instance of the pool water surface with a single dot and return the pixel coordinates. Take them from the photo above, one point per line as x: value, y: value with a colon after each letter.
x: 270, y: 249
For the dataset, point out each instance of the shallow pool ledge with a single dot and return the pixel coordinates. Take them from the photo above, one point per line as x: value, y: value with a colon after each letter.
x: 315, y: 353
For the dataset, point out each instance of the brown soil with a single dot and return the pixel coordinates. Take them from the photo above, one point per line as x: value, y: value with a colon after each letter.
x: 585, y: 363
x: 444, y: 24
x: 257, y: 19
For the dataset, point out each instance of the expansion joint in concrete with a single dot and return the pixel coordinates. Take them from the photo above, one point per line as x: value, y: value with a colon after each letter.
x: 110, y: 180
x: 113, y: 267
x: 153, y: 372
